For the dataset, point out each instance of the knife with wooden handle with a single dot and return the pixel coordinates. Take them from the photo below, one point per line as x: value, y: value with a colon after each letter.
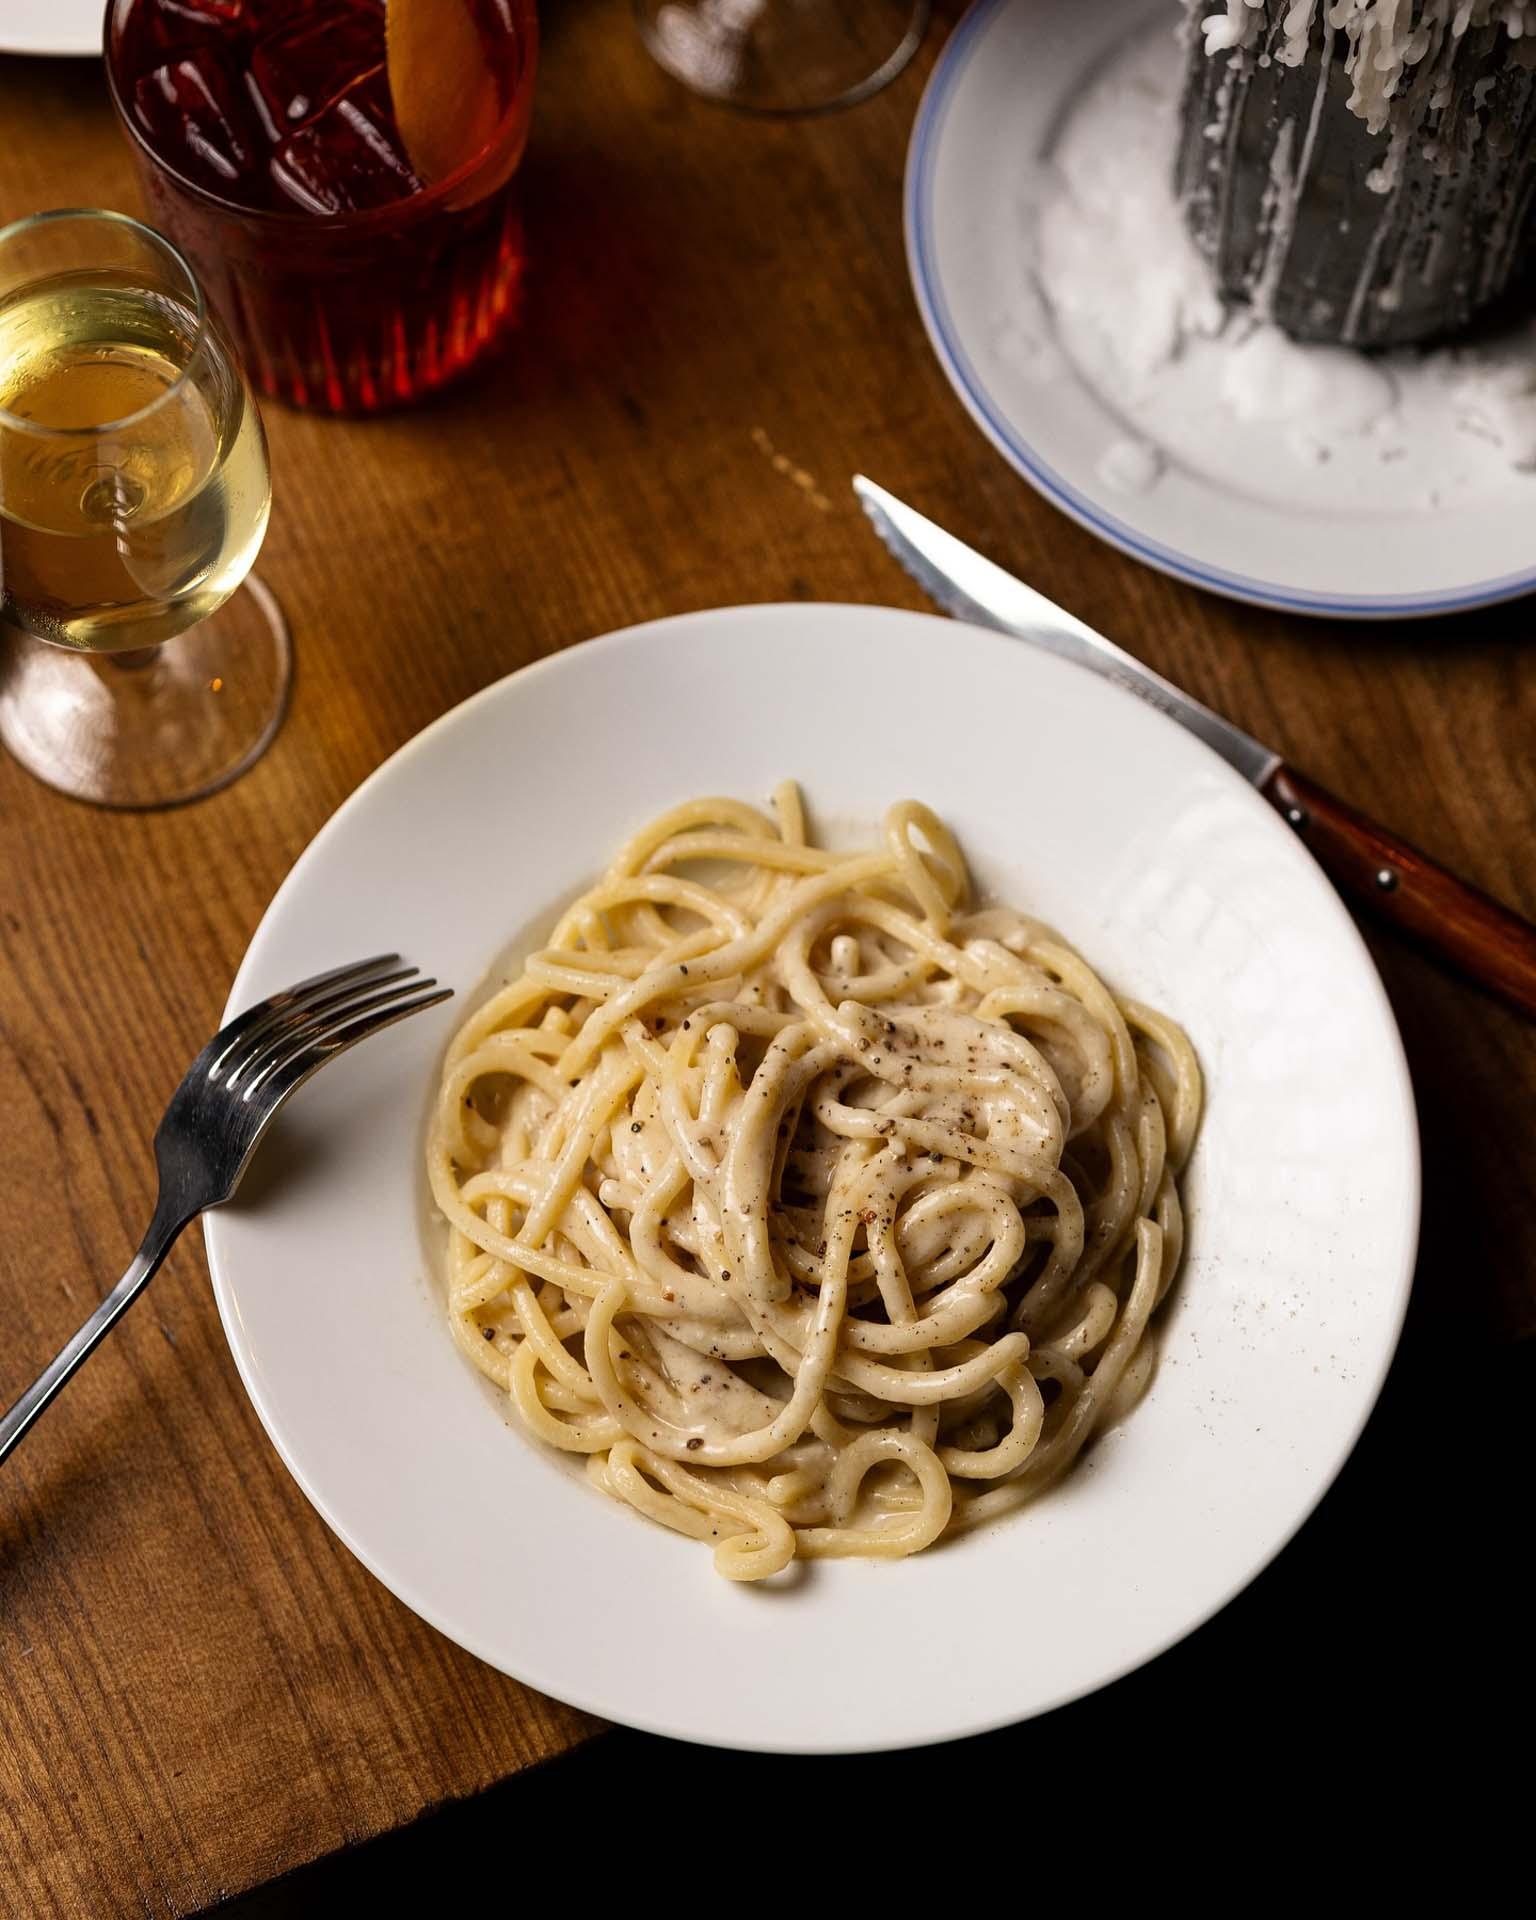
x: 1370, y: 866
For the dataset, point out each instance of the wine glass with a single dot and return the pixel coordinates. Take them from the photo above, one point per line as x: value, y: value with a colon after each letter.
x: 783, y: 56
x: 135, y: 668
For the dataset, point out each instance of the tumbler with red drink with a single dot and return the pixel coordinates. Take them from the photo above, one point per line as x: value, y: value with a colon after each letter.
x: 349, y: 199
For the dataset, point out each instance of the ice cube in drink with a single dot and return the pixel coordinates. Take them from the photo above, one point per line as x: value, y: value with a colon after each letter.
x: 196, y: 106
x: 347, y: 158
x: 181, y: 23
x: 299, y: 68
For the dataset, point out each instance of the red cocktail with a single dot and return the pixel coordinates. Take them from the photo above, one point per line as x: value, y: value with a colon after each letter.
x: 360, y: 265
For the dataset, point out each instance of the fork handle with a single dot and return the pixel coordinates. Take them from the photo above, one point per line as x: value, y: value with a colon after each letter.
x: 156, y: 1244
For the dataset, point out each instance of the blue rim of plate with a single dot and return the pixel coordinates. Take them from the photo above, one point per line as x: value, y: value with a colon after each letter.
x: 963, y: 45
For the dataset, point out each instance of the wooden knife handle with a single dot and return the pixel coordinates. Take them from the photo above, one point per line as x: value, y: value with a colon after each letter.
x: 1454, y: 920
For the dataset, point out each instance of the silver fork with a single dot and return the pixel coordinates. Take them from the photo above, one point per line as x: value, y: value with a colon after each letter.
x: 205, y: 1140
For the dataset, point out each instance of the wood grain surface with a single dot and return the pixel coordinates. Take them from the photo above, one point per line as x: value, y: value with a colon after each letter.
x: 200, y: 1687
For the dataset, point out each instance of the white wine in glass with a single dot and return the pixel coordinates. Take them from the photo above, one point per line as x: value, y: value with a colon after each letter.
x: 134, y: 495
x: 783, y: 56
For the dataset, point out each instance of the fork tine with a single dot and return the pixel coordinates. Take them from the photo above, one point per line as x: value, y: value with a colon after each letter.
x: 275, y: 1034
x: 279, y: 1078
x: 332, y: 976
x: 310, y: 1024
x: 375, y: 1022
x: 260, y: 1018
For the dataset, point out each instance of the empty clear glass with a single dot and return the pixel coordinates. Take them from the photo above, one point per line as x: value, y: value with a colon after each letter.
x: 783, y: 56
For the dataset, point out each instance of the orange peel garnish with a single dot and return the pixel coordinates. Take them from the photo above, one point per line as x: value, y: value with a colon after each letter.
x: 446, y: 102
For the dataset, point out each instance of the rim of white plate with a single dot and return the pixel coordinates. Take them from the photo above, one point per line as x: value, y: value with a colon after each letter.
x: 35, y: 29
x: 963, y: 45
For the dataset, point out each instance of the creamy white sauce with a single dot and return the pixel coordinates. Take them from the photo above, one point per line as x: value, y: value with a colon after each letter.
x: 1130, y: 466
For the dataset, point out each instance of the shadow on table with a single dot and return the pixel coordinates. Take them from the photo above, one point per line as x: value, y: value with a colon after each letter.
x: 1357, y: 1659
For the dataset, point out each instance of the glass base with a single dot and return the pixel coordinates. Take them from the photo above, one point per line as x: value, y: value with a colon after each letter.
x: 154, y: 727
x: 783, y: 56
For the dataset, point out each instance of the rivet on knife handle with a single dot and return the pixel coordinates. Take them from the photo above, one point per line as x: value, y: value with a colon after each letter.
x: 1453, y: 919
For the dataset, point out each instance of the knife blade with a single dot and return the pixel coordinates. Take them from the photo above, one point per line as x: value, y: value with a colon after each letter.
x: 972, y: 588
x: 1371, y: 866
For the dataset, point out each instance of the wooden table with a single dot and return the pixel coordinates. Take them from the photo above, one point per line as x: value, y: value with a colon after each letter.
x: 201, y: 1688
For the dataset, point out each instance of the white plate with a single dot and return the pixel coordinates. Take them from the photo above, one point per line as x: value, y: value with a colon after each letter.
x: 995, y: 106
x: 51, y: 26
x: 1079, y: 803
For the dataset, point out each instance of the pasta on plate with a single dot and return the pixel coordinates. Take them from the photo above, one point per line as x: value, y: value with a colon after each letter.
x: 823, y: 1209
